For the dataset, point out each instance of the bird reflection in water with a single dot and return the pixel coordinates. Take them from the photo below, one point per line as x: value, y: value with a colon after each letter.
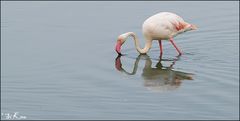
x: 160, y: 78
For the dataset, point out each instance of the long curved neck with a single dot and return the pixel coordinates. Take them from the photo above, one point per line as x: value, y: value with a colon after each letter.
x: 147, y: 46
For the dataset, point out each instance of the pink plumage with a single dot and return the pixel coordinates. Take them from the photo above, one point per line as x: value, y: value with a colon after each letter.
x: 161, y: 26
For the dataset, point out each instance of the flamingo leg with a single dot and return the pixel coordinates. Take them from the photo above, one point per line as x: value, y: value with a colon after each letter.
x: 161, y: 48
x: 179, y: 52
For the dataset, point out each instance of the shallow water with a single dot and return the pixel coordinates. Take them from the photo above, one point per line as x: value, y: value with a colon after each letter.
x: 58, y: 62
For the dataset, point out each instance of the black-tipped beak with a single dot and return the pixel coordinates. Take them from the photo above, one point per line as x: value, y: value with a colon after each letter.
x: 119, y: 54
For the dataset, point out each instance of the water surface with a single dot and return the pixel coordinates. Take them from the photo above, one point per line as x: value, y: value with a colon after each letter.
x: 58, y: 62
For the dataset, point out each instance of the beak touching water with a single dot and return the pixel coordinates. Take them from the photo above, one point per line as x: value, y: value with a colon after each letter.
x: 118, y: 47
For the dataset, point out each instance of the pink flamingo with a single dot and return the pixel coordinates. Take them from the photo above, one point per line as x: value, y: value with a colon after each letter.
x: 161, y: 26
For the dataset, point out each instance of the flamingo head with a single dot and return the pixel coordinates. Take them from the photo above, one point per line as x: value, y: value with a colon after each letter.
x: 119, y: 43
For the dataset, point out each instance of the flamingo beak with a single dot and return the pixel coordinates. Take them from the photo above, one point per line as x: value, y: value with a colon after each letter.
x: 118, y: 47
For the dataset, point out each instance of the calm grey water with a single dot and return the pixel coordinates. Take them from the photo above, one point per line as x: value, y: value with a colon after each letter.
x: 58, y: 62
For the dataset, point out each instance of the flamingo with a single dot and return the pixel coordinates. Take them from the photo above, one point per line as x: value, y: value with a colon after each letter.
x: 161, y: 26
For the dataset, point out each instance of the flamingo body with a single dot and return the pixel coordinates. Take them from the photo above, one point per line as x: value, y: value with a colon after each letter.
x: 161, y: 26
